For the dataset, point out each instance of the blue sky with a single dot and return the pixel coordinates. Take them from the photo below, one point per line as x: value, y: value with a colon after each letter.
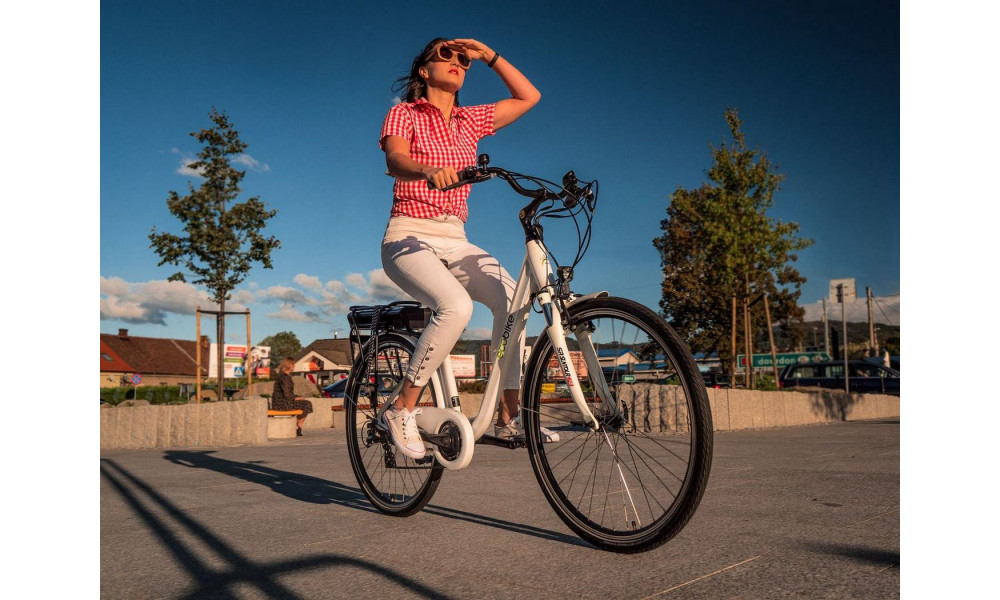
x: 633, y: 94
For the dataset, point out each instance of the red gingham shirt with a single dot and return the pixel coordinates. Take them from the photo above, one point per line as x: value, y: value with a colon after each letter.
x: 437, y: 144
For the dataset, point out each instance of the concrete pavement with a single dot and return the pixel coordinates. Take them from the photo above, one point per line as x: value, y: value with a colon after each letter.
x: 810, y: 511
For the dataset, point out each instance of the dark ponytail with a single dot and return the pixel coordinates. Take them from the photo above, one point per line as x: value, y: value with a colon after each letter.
x: 413, y: 85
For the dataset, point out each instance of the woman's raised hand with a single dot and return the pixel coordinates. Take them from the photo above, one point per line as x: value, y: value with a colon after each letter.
x: 473, y: 49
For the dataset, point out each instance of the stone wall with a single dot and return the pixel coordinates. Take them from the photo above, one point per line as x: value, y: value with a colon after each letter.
x: 654, y: 408
x: 753, y: 409
x: 209, y: 424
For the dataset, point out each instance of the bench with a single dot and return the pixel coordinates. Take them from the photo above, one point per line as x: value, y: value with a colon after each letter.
x: 281, y: 423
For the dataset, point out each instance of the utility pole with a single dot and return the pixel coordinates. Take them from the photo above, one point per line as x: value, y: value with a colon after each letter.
x: 846, y: 291
x: 843, y: 320
x: 826, y: 332
x: 197, y: 356
x: 748, y: 343
x: 872, y: 345
x: 248, y: 364
x: 770, y: 337
x: 732, y: 367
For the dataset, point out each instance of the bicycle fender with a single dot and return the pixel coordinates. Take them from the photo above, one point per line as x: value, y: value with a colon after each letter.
x: 588, y: 297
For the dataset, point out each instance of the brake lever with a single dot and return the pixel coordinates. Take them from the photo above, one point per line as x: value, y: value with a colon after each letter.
x: 571, y: 191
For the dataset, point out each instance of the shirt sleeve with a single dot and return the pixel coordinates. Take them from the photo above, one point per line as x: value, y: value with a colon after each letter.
x: 399, y: 122
x: 482, y: 117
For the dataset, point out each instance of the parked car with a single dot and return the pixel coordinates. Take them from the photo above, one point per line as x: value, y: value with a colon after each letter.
x: 717, y: 380
x: 864, y: 377
x: 335, y: 389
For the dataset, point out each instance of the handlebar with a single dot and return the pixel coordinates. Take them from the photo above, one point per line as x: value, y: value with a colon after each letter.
x: 571, y: 192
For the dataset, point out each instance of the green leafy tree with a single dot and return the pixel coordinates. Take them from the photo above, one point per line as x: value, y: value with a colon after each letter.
x: 718, y: 242
x: 221, y: 240
x: 283, y: 343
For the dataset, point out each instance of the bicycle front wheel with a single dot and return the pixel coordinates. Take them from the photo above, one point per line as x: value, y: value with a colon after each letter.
x: 394, y: 483
x: 634, y: 482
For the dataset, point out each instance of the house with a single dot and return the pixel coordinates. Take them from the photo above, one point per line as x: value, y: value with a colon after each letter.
x: 114, y: 370
x: 158, y: 361
x: 324, y: 361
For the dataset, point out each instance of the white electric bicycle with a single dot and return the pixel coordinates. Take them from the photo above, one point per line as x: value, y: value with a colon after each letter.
x: 608, y: 375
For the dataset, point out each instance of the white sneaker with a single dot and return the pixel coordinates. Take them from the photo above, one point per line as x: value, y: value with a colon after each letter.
x: 402, y: 426
x: 514, y: 430
x: 510, y: 431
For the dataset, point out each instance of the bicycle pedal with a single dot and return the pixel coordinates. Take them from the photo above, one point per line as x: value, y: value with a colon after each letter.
x: 492, y: 440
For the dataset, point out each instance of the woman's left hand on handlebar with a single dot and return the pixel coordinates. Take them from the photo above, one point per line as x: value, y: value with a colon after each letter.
x: 475, y: 50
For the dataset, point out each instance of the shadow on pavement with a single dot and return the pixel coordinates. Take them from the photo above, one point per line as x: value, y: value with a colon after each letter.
x: 871, y: 555
x: 477, y: 519
x: 293, y: 485
x: 320, y: 491
x: 219, y: 583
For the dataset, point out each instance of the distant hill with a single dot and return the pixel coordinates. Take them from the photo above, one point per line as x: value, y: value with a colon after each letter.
x: 857, y: 334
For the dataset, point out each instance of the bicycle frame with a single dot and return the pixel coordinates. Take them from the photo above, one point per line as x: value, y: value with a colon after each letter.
x: 534, y: 283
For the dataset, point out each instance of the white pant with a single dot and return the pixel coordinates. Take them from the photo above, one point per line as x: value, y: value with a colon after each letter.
x: 432, y: 261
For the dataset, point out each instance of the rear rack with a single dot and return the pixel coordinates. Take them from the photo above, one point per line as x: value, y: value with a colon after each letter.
x: 405, y: 315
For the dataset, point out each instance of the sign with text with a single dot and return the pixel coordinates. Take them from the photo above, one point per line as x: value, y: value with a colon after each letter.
x: 234, y: 360
x: 260, y: 361
x: 843, y: 291
x: 763, y: 361
x: 463, y: 365
x: 554, y: 371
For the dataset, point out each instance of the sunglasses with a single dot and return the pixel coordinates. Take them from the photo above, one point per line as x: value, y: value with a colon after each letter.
x: 445, y: 54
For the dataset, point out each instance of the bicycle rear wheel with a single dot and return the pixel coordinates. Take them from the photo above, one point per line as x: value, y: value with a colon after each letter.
x: 394, y: 483
x: 634, y: 483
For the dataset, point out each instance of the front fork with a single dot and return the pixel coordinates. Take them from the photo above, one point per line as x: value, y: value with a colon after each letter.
x: 557, y: 334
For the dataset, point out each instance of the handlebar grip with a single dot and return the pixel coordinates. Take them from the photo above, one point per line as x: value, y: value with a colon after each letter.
x: 465, y: 177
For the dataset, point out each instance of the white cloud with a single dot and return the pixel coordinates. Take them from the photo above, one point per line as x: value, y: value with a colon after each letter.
x: 186, y: 158
x: 334, y: 297
x: 242, y: 298
x: 152, y: 301
x: 356, y: 280
x: 283, y: 294
x: 129, y: 311
x: 114, y: 286
x: 289, y: 313
x: 885, y: 309
x: 310, y: 282
x: 174, y: 296
x: 251, y: 163
x: 241, y: 160
x: 383, y: 289
x: 307, y: 300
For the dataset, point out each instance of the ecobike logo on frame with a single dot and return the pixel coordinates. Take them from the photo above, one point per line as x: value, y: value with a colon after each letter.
x: 506, y: 336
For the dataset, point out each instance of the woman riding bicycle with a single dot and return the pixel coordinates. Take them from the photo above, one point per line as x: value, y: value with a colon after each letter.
x: 429, y: 137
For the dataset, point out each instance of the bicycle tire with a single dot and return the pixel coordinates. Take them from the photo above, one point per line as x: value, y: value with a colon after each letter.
x: 394, y: 483
x: 641, y: 512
